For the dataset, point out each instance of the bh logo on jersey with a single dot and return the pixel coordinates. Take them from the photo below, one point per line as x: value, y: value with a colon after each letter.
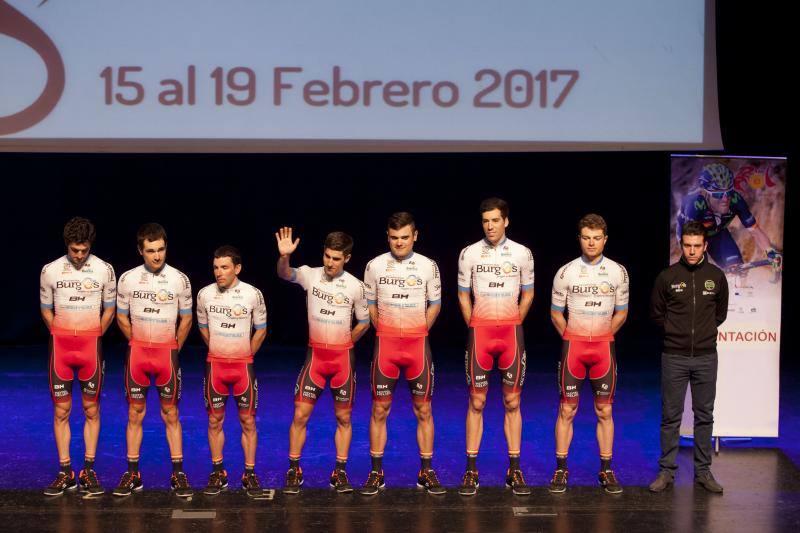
x: 413, y: 281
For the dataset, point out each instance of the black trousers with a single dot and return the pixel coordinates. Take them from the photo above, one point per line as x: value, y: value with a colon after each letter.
x: 676, y: 372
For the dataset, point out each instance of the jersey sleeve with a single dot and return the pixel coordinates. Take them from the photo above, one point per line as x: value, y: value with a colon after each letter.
x: 558, y: 298
x: 622, y: 294
x: 360, y: 304
x: 202, y: 314
x: 45, y: 290
x: 260, y: 311
x: 185, y: 296
x: 464, y: 271
x: 434, y: 288
x: 742, y: 210
x: 110, y: 288
x: 370, y: 285
x: 526, y: 272
x: 123, y: 296
x: 302, y: 276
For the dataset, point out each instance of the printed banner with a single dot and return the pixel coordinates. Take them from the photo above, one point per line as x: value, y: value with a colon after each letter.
x: 740, y: 200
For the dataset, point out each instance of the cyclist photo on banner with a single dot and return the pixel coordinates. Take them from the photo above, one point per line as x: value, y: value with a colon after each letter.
x: 740, y: 203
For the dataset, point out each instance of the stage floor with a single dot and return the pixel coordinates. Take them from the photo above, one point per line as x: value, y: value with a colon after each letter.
x: 762, y: 483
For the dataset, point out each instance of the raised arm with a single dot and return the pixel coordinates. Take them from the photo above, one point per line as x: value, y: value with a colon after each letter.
x: 285, y: 248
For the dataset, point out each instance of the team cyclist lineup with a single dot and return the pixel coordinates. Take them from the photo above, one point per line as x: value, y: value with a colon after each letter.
x: 400, y: 296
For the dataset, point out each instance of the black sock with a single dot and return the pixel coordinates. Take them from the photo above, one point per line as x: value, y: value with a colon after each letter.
x: 66, y: 467
x: 177, y: 466
x: 472, y: 459
x: 341, y: 464
x: 249, y: 470
x: 218, y: 466
x: 294, y: 463
x: 605, y: 463
x: 133, y: 465
x: 561, y: 462
x: 426, y: 462
x: 88, y: 464
x: 377, y: 463
x: 513, y: 462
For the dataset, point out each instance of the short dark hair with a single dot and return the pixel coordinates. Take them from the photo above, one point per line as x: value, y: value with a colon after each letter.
x: 593, y: 221
x: 227, y: 250
x: 152, y: 231
x: 693, y: 227
x: 495, y: 203
x: 401, y: 220
x: 79, y: 230
x: 339, y: 241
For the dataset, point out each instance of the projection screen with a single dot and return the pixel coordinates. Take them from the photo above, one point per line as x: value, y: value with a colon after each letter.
x: 357, y: 75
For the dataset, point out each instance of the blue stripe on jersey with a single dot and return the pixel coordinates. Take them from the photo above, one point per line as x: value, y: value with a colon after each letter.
x: 620, y: 307
x: 526, y: 287
x: 464, y: 289
x: 202, y: 326
x: 364, y: 321
x: 122, y: 311
x: 372, y: 302
x: 260, y: 326
x: 110, y: 303
x: 46, y: 306
x: 555, y: 307
x: 435, y: 302
x: 185, y: 312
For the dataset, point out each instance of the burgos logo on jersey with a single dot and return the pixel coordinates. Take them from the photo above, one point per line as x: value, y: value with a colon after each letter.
x: 594, y: 290
x: 235, y: 311
x: 498, y: 270
x: 159, y: 297
x: 338, y: 299
x: 86, y: 285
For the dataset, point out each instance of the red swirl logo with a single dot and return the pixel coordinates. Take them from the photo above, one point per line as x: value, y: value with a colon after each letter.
x: 19, y: 27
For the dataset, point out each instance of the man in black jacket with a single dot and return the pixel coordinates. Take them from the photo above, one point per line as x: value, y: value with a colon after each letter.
x: 689, y: 301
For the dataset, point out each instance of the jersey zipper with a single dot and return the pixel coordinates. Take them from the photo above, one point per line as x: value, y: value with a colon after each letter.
x: 694, y: 302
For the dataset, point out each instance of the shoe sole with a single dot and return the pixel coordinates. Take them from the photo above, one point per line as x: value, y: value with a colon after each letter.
x: 473, y: 493
x: 557, y: 491
x: 341, y: 490
x: 656, y: 491
x: 184, y: 496
x: 87, y: 495
x: 135, y: 489
x: 221, y: 489
x: 429, y: 491
x: 516, y: 493
x: 291, y: 491
x: 612, y: 491
x: 75, y: 487
x: 696, y: 484
x: 380, y: 488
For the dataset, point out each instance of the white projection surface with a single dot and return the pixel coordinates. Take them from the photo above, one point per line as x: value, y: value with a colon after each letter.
x: 357, y: 75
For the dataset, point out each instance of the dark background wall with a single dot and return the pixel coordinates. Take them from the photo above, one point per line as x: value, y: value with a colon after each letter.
x: 207, y: 200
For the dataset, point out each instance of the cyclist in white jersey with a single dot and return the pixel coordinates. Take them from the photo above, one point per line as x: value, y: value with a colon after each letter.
x: 151, y: 298
x: 332, y: 297
x: 77, y: 294
x: 232, y: 318
x: 498, y: 273
x: 593, y: 290
x: 404, y: 292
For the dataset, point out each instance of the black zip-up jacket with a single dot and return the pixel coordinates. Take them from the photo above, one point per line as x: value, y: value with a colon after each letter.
x: 689, y: 302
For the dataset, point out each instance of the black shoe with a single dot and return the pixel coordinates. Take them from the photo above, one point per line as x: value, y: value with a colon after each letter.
x: 340, y: 482
x: 179, y: 483
x: 62, y: 482
x: 373, y: 484
x: 469, y: 483
x: 88, y: 484
x: 559, y: 482
x: 251, y: 485
x: 294, y: 478
x: 516, y: 482
x: 609, y: 482
x: 707, y: 481
x: 131, y: 482
x: 427, y: 479
x: 662, y: 482
x: 217, y: 482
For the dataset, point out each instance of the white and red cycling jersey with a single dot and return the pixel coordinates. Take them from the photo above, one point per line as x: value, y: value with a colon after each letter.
x: 77, y: 297
x: 331, y: 303
x: 153, y: 300
x: 402, y: 290
x: 230, y: 315
x: 590, y: 293
x: 495, y: 275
